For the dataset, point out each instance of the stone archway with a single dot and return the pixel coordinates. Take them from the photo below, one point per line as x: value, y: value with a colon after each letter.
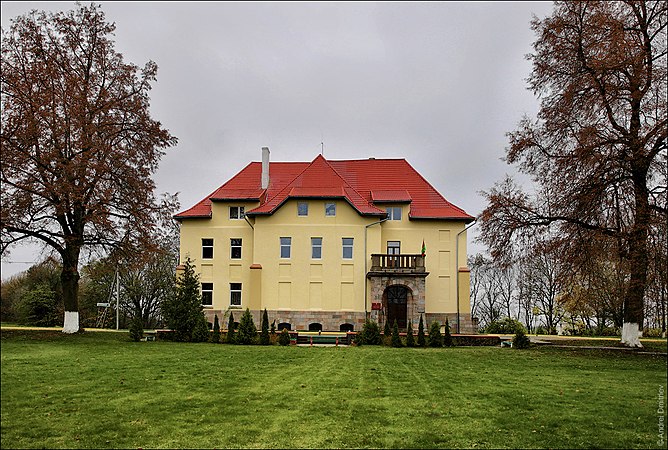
x: 415, y: 286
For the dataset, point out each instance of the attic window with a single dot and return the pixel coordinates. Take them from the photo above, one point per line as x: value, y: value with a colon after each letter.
x: 394, y: 213
x: 236, y: 212
x: 330, y: 209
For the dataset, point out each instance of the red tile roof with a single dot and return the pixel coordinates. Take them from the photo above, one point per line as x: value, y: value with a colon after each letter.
x: 362, y: 183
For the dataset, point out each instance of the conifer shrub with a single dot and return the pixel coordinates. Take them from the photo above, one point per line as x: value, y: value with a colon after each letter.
x: 183, y: 311
x: 435, y: 337
x: 136, y: 328
x: 201, y: 332
x: 386, y: 330
x: 272, y: 331
x: 447, y: 337
x: 410, y: 339
x: 264, y: 334
x: 396, y: 338
x: 521, y: 340
x: 247, y: 330
x: 370, y: 334
x: 215, y: 336
x: 284, y: 337
x: 421, y: 342
x: 230, y: 330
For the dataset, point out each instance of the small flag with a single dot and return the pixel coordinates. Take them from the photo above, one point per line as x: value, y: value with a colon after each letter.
x: 424, y: 249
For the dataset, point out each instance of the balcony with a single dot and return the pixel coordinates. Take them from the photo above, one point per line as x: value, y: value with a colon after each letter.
x: 396, y: 264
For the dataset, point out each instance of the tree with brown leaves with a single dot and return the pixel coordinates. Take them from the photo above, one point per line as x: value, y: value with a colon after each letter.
x: 78, y: 143
x: 598, y: 145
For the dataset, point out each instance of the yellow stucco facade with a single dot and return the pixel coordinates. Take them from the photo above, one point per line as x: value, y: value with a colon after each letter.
x: 329, y: 288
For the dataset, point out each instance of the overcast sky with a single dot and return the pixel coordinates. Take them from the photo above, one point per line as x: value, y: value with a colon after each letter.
x: 436, y: 83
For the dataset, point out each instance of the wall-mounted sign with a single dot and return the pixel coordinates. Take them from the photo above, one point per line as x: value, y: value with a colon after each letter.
x: 376, y: 306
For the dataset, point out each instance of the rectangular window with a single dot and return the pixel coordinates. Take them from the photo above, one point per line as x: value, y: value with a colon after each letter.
x: 302, y: 209
x: 207, y: 294
x: 393, y: 248
x: 347, y: 248
x: 235, y: 294
x: 316, y: 248
x: 235, y: 248
x: 394, y: 213
x: 330, y: 209
x: 286, y: 243
x: 207, y: 248
x: 236, y: 212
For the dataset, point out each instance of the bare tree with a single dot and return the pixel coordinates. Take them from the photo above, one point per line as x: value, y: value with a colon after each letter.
x: 599, y: 141
x: 78, y: 143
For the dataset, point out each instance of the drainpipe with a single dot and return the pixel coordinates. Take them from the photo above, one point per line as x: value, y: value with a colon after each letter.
x: 366, y: 261
x: 457, y: 267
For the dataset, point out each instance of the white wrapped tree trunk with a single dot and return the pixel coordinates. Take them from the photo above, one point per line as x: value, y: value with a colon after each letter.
x: 631, y: 335
x: 71, y: 324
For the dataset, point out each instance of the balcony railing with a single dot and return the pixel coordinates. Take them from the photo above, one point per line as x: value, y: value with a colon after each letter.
x: 397, y: 263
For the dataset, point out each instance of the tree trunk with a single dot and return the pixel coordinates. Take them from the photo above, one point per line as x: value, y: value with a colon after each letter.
x: 633, y: 300
x: 69, y: 278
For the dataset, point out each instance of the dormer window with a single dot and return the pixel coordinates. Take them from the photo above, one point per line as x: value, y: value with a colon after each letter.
x: 394, y: 213
x: 236, y: 212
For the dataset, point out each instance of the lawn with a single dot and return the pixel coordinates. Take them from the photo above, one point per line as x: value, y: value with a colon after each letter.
x: 99, y: 390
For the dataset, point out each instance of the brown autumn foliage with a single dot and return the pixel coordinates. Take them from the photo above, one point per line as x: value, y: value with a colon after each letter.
x: 78, y: 143
x: 598, y: 146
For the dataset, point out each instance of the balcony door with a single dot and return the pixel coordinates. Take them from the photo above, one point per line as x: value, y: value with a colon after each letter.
x: 393, y: 248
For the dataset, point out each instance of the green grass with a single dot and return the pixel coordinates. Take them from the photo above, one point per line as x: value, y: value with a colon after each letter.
x: 99, y: 390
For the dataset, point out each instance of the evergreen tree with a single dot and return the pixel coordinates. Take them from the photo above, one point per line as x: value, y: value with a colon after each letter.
x: 435, y: 338
x: 447, y: 337
x: 273, y: 327
x: 230, y: 330
x: 215, y: 337
x: 201, y: 332
x: 521, y: 341
x: 264, y: 335
x: 247, y: 329
x: 183, y: 311
x: 284, y: 337
x: 420, y: 337
x: 396, y: 339
x: 136, y: 327
x: 410, y: 339
x: 386, y: 330
x: 370, y: 334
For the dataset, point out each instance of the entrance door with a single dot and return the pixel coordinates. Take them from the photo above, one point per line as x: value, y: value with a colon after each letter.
x: 397, y: 305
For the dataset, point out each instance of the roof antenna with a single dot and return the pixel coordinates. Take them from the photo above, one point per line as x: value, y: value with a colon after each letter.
x: 322, y: 144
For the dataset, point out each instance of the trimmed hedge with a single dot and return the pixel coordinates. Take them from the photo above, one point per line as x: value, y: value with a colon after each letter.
x: 476, y: 340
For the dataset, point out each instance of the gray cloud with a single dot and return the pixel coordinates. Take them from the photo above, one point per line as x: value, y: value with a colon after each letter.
x: 437, y: 83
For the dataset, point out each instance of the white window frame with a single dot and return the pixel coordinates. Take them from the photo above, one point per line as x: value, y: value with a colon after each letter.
x: 287, y: 244
x: 333, y: 208
x: 209, y: 290
x: 232, y: 247
x: 393, y: 212
x: 305, y: 204
x: 207, y: 246
x: 345, y: 246
x: 234, y: 290
x: 239, y: 213
x: 314, y: 246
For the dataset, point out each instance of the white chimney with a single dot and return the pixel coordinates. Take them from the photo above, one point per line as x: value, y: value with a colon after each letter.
x: 265, y: 167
